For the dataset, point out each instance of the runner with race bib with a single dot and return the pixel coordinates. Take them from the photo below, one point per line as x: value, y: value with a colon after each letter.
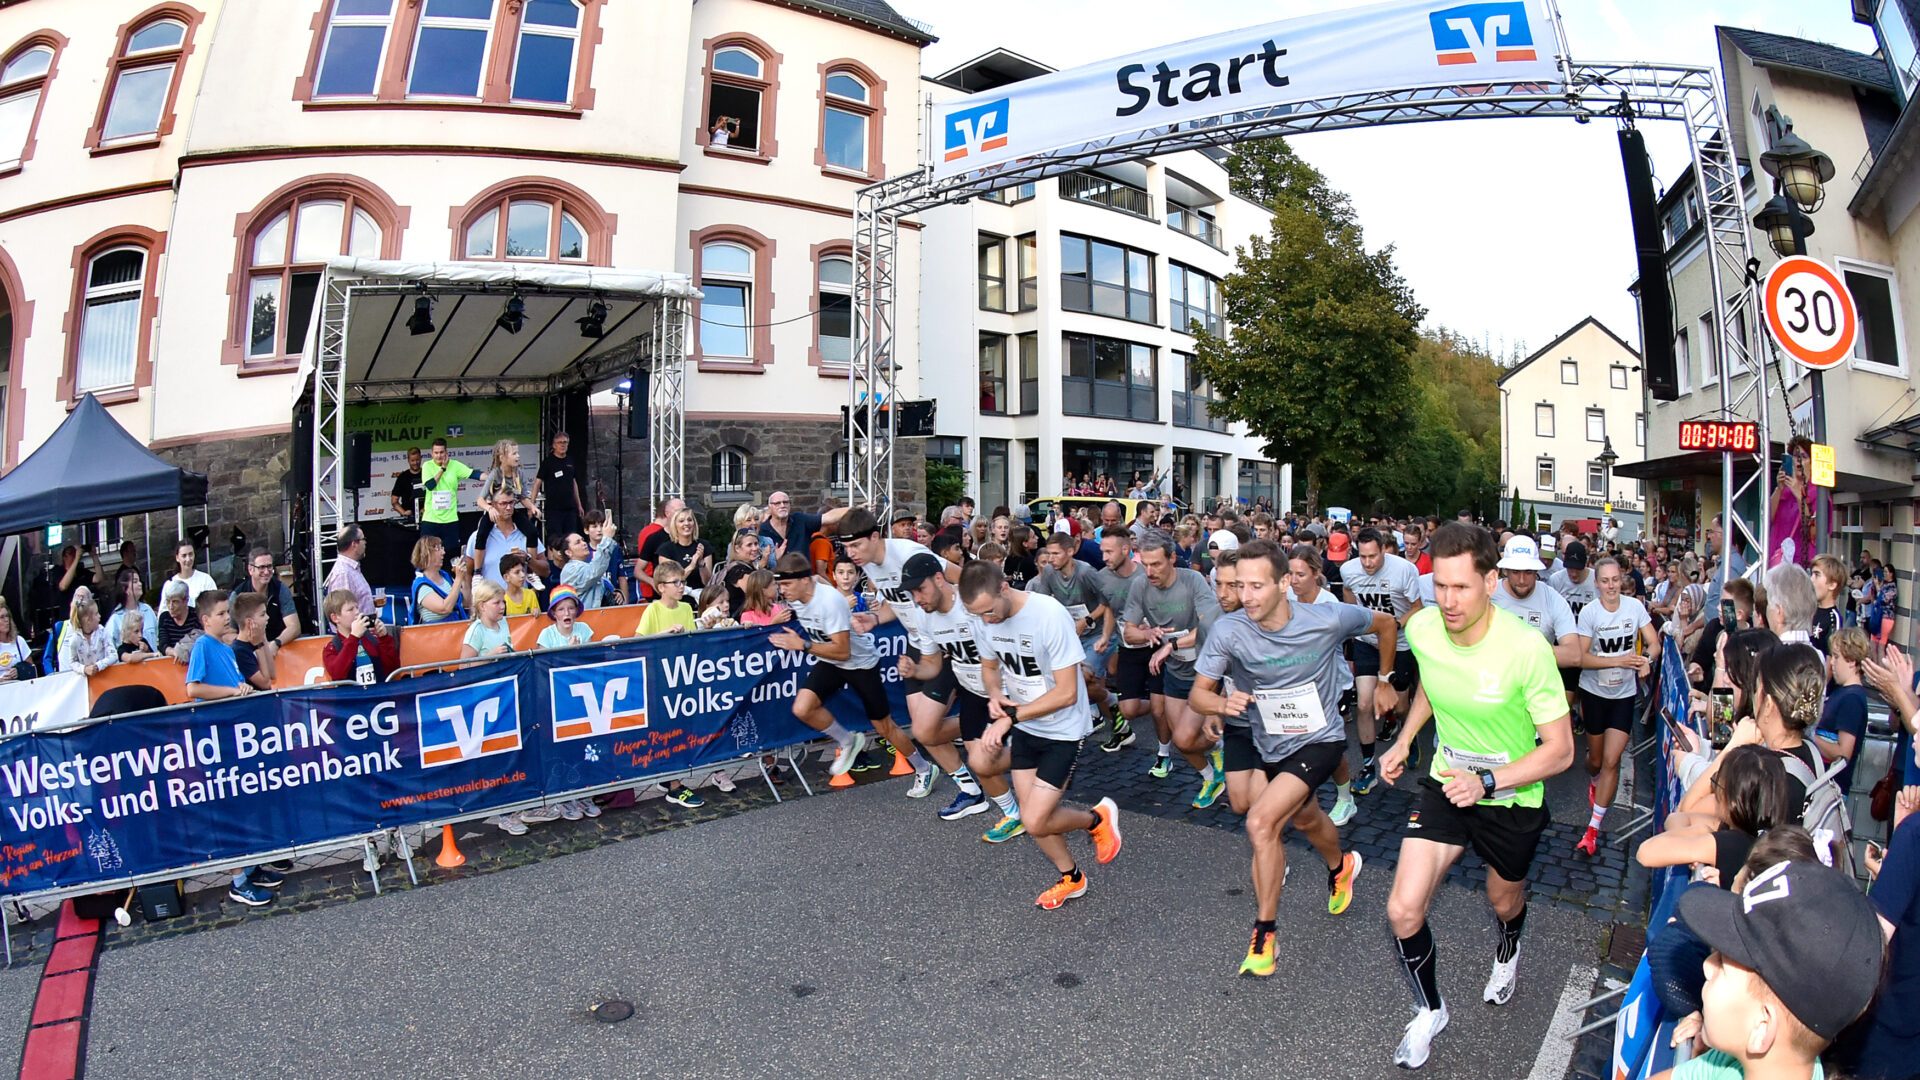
x: 883, y: 561
x: 1500, y: 729
x: 1615, y: 640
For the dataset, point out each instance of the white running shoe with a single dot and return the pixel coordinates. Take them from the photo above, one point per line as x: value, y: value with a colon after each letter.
x: 923, y: 783
x: 588, y: 807
x: 509, y: 824
x: 1414, y: 1045
x: 571, y: 810
x: 1342, y: 812
x: 845, y: 756
x: 540, y: 814
x: 723, y: 780
x: 1500, y: 984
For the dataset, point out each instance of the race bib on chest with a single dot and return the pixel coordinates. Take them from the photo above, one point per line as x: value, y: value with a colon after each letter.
x: 1291, y: 710
x: 440, y: 500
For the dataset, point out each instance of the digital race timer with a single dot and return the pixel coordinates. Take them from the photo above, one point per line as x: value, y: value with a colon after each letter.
x: 1727, y: 436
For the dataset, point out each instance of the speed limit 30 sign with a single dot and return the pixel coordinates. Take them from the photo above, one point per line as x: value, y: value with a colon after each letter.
x: 1810, y: 312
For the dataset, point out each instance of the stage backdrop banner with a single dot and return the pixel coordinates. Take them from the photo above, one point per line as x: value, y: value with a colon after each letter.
x: 470, y: 428
x: 1406, y: 44
x: 218, y: 782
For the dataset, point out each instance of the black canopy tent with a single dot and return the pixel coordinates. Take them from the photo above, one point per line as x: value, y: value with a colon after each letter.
x: 91, y: 468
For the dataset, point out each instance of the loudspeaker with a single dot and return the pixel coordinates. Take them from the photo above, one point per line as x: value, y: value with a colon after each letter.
x: 1649, y: 245
x: 160, y: 900
x: 637, y: 406
x: 300, y: 456
x: 357, y: 470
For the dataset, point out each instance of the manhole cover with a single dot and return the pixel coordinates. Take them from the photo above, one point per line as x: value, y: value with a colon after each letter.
x: 612, y: 1012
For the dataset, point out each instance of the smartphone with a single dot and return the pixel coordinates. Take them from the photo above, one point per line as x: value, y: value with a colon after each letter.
x: 1727, y: 615
x: 1786, y: 465
x: 1720, y: 717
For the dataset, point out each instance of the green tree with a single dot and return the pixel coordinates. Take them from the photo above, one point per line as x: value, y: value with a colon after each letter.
x: 1319, y: 364
x: 946, y: 484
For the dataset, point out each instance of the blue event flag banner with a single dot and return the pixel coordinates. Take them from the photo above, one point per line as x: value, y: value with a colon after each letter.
x: 220, y: 781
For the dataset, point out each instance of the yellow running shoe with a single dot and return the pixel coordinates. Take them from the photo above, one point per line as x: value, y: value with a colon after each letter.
x: 1340, y: 883
x: 1062, y: 891
x: 1004, y: 830
x: 1259, y: 959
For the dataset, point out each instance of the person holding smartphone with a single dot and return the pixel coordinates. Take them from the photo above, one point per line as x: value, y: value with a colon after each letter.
x: 1789, y: 529
x: 362, y: 648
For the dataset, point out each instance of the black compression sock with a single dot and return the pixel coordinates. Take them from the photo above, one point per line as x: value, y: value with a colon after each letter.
x: 1265, y: 926
x: 1510, y: 936
x: 1366, y: 752
x: 1418, y: 958
x: 1074, y: 874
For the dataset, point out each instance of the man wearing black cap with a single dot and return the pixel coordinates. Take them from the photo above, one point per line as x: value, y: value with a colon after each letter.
x: 882, y: 559
x: 1796, y: 959
x: 848, y: 660
x: 948, y: 672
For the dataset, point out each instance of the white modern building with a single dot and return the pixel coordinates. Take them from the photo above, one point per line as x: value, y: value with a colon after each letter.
x: 1562, y: 410
x: 1056, y: 324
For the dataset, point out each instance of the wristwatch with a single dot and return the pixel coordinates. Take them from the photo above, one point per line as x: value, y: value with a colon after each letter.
x: 1486, y: 780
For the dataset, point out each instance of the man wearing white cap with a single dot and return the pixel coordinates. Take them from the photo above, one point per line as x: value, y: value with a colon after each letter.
x: 1519, y: 593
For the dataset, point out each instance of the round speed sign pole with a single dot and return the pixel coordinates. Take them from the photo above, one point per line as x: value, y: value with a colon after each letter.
x: 1810, y: 312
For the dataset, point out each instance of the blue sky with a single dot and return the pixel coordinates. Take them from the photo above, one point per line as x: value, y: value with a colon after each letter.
x: 1509, y: 231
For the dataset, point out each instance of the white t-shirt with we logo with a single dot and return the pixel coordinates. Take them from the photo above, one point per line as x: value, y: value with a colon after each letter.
x: 1611, y: 633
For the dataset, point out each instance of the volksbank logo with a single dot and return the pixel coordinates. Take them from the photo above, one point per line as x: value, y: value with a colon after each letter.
x: 977, y: 130
x: 598, y: 699
x: 1483, y: 33
x: 467, y: 723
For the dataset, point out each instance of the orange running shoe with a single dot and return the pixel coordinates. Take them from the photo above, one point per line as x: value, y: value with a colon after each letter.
x: 1062, y: 891
x: 1106, y: 831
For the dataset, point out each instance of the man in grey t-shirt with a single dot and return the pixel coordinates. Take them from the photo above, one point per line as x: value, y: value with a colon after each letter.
x: 1165, y: 610
x: 1072, y: 582
x: 1519, y: 594
x: 1275, y: 666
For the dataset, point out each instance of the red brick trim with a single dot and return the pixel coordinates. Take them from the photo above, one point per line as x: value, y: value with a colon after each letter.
x: 762, y: 341
x: 599, y: 225
x: 53, y: 40
x: 358, y: 193
x: 815, y: 255
x: 155, y: 245
x: 170, y: 9
x: 875, y: 110
x: 22, y: 311
x: 768, y: 85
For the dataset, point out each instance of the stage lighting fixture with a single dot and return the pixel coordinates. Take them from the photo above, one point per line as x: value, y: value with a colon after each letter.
x: 594, y: 323
x: 513, y: 316
x: 421, y: 321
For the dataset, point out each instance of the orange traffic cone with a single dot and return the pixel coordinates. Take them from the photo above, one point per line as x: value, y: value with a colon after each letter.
x: 900, y: 766
x: 845, y: 779
x: 449, y: 856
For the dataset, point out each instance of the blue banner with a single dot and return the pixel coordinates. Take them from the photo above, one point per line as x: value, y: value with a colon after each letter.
x: 228, y: 779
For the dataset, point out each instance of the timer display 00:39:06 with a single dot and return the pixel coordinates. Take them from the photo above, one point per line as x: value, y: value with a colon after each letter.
x: 1729, y: 436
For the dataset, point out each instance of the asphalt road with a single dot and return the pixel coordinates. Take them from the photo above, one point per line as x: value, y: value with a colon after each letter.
x: 847, y: 935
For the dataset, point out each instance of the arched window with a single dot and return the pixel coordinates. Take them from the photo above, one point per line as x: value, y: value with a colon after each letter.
x: 543, y: 60
x: 742, y: 78
x: 284, y: 247
x: 730, y: 469
x: 850, y: 115
x: 833, y: 301
x: 144, y: 78
x: 726, y: 279
x: 354, y: 49
x: 110, y: 316
x: 533, y: 220
x: 23, y: 83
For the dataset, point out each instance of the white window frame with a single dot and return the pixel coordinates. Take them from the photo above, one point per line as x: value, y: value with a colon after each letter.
x: 866, y: 117
x: 833, y: 288
x: 1617, y: 377
x: 1538, y: 416
x: 1596, y: 471
x: 730, y: 468
x: 746, y: 306
x: 93, y: 295
x: 447, y: 22
x: 35, y: 92
x: 1710, y: 356
x: 571, y: 33
x: 1640, y: 429
x: 1564, y: 365
x: 1544, y: 465
x: 1600, y: 415
x: 1683, y: 359
x: 1856, y: 266
x: 384, y: 22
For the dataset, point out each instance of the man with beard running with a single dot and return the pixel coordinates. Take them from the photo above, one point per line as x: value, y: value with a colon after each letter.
x: 1272, y: 668
x: 948, y: 671
x: 1308, y: 587
x: 1519, y: 594
x: 1500, y: 729
x: 1165, y: 611
x: 1030, y: 660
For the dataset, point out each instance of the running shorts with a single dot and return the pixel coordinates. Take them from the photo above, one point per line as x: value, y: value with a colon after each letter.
x: 1175, y: 685
x: 1052, y: 760
x: 939, y: 689
x: 974, y: 717
x: 1505, y: 837
x: 825, y: 680
x: 1570, y: 678
x: 1136, y: 682
x: 1599, y: 714
x: 1236, y: 749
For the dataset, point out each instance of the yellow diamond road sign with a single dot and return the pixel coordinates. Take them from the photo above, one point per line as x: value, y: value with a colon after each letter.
x: 1822, y: 465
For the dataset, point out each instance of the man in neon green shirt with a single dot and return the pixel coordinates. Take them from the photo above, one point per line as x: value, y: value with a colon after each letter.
x: 1491, y: 687
x: 440, y: 481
